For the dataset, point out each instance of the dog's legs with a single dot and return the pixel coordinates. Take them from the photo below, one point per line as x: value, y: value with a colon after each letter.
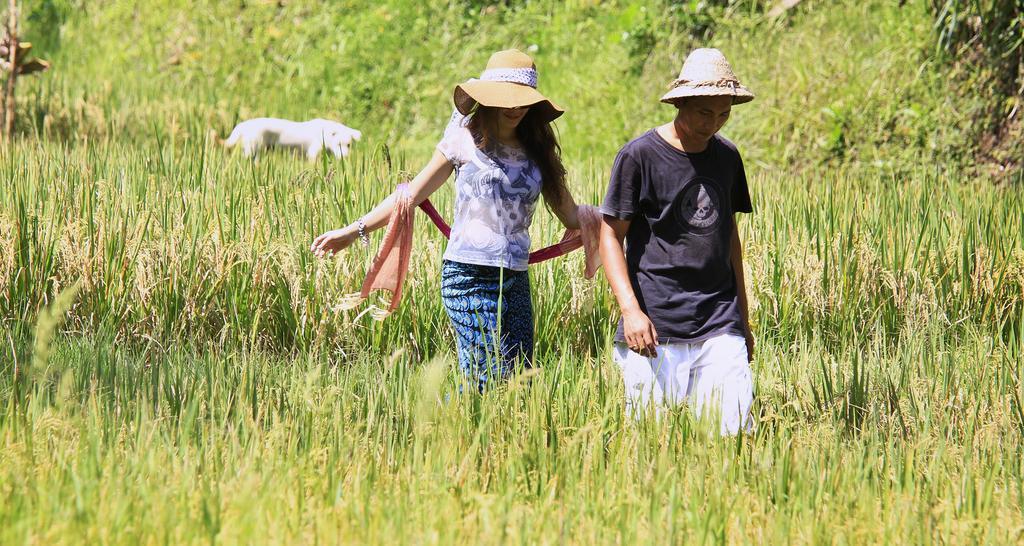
x: 249, y: 146
x: 232, y: 138
x: 314, y: 150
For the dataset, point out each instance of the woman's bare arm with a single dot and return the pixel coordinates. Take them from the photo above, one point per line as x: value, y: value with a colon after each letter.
x: 566, y: 211
x: 420, y: 188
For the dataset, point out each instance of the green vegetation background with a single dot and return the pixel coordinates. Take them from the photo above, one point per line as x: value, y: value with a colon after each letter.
x: 176, y: 368
x: 837, y: 82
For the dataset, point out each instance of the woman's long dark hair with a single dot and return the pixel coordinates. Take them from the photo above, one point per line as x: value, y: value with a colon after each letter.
x: 538, y: 139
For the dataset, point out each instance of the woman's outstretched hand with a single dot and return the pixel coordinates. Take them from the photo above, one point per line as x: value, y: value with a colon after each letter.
x: 422, y: 186
x: 333, y: 241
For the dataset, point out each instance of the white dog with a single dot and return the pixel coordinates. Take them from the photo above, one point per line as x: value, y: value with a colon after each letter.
x: 310, y: 137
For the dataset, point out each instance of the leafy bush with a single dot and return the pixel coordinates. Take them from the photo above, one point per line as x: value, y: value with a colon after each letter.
x: 984, y: 39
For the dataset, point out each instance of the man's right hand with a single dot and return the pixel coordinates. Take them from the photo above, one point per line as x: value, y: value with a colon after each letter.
x: 637, y: 328
x: 641, y: 337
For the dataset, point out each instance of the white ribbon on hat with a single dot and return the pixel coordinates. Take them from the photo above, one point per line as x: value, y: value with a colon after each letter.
x: 525, y: 76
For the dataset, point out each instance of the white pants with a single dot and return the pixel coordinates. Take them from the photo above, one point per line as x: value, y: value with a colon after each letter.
x: 712, y: 371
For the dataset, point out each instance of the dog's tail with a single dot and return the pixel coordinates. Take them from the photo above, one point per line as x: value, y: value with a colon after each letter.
x: 233, y: 138
x: 213, y: 138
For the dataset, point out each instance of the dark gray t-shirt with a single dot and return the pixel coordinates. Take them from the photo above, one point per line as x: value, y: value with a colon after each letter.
x: 681, y: 209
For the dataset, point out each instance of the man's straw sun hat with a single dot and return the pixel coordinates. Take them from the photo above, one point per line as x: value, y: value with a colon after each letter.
x: 706, y: 73
x: 509, y: 81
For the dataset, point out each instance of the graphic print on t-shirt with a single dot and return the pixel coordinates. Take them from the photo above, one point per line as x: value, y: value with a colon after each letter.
x: 496, y: 193
x: 698, y: 205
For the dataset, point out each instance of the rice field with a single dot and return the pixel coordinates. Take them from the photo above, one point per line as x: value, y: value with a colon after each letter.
x: 211, y: 381
x: 177, y: 368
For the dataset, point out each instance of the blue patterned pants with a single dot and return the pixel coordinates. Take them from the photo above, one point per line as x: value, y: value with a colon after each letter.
x: 492, y: 315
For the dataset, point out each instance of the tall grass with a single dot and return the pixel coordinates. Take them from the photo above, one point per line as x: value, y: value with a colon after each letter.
x: 213, y: 382
x: 222, y: 376
x: 234, y: 446
x: 187, y: 242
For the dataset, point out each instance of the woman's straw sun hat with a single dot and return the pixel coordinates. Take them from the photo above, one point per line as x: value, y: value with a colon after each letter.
x: 509, y: 81
x: 706, y: 73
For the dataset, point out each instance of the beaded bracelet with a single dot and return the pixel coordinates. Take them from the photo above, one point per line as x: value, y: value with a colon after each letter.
x: 362, y: 232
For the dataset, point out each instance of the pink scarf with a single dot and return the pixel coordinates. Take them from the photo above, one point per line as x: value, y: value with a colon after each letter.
x: 391, y: 264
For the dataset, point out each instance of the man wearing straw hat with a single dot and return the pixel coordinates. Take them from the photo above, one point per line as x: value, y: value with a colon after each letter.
x: 684, y: 332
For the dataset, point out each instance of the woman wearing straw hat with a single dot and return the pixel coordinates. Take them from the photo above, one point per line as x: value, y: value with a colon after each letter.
x: 501, y: 145
x: 673, y: 193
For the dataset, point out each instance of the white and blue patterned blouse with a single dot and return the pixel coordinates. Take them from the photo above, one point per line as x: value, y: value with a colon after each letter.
x: 496, y: 193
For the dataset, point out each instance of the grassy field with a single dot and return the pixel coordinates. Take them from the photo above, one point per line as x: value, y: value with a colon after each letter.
x: 175, y: 367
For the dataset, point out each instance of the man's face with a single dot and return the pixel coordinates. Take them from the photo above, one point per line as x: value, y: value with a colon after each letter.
x: 702, y: 117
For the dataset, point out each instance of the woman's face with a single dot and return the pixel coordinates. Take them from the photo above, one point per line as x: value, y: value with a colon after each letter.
x: 509, y: 118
